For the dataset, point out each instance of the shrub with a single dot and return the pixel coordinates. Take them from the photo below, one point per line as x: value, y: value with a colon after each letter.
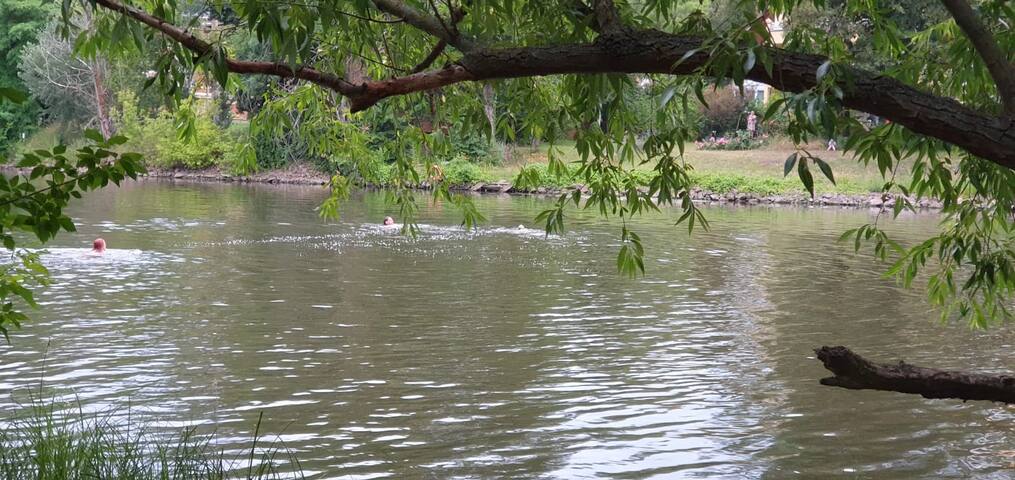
x: 726, y: 108
x: 724, y: 183
x: 158, y: 140
x: 461, y: 171
x: 472, y: 146
x: 208, y: 146
x: 739, y: 140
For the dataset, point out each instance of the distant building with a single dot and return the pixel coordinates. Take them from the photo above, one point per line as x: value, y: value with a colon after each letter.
x: 758, y: 91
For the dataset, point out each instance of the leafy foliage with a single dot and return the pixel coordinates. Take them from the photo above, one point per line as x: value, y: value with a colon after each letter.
x: 179, y: 140
x: 20, y: 24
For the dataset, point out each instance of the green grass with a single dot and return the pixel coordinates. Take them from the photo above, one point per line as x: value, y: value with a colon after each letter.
x: 42, y: 442
x: 749, y: 171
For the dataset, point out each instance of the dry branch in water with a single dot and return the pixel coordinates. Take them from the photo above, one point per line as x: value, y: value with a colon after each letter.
x: 857, y: 373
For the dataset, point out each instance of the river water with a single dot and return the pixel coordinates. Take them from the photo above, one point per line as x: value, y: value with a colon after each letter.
x: 502, y: 353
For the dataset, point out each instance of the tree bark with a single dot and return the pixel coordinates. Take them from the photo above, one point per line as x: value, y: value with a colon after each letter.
x: 98, y: 67
x: 857, y: 373
x: 1001, y: 70
x: 490, y: 109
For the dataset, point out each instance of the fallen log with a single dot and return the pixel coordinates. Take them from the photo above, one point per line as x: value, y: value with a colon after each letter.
x: 857, y: 373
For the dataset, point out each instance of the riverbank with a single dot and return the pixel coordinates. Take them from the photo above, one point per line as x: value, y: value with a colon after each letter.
x: 750, y: 177
x: 736, y: 177
x: 302, y: 175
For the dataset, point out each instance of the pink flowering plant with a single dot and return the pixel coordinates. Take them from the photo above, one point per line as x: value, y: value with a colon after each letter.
x: 738, y: 140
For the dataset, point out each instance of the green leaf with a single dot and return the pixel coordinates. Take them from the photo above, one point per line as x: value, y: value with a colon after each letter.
x: 690, y: 53
x: 750, y: 60
x: 667, y: 95
x: 825, y: 169
x: 805, y: 176
x: 823, y: 69
x: 790, y: 162
x: 773, y: 108
x: 94, y: 135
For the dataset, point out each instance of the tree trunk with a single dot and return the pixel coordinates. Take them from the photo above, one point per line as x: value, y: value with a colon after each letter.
x: 98, y: 67
x: 490, y: 108
x: 857, y: 373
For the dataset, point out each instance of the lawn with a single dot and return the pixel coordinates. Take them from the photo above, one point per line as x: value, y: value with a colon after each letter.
x: 756, y: 171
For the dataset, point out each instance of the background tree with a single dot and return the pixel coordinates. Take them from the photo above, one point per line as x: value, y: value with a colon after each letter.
x: 72, y: 89
x: 20, y: 24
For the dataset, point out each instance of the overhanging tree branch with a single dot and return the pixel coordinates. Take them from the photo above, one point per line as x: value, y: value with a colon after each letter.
x: 657, y: 52
x: 201, y: 47
x: 1001, y: 70
x: 857, y: 373
x: 425, y: 22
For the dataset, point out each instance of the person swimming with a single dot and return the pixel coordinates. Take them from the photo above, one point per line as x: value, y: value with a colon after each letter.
x: 98, y: 246
x: 389, y: 221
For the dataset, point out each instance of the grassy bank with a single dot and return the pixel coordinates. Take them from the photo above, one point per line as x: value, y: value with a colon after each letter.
x: 747, y: 171
x: 44, y: 442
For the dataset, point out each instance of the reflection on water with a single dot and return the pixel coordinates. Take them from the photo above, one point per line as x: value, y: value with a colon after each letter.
x: 502, y: 353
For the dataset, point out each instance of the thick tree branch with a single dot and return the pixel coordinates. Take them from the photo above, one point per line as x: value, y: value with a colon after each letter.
x: 201, y: 47
x: 657, y: 52
x: 1001, y: 70
x: 425, y: 22
x: 857, y: 373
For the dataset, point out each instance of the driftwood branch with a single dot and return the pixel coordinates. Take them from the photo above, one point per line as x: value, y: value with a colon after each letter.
x: 857, y: 373
x: 1001, y: 70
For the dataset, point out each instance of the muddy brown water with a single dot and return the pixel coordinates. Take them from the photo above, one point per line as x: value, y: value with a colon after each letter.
x: 502, y: 353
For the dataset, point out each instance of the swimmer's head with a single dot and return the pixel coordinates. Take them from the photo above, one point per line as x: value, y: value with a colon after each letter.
x: 99, y: 245
x: 389, y: 221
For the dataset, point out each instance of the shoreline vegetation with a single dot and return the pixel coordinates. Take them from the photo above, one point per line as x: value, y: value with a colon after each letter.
x: 746, y: 177
x: 57, y: 440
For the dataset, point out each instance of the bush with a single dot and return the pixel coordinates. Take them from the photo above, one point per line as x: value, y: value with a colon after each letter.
x: 158, y: 140
x: 724, y: 183
x: 538, y: 175
x: 208, y: 147
x: 739, y: 140
x: 724, y: 113
x: 461, y: 171
x: 473, y: 147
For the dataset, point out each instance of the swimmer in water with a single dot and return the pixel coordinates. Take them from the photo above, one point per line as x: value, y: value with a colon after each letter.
x: 389, y: 221
x: 99, y: 246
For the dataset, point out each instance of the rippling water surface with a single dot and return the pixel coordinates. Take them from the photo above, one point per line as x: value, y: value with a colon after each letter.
x: 502, y: 353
